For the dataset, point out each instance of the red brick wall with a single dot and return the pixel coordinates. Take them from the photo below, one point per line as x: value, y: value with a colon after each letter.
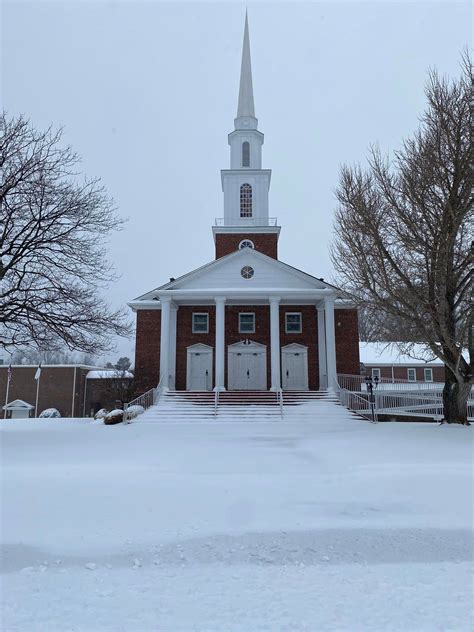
x: 185, y: 338
x: 308, y: 337
x: 401, y: 372
x: 147, y: 362
x: 147, y: 349
x: 263, y: 242
x: 55, y: 388
x: 347, y: 341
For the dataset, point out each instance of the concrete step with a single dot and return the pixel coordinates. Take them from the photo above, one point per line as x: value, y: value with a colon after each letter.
x: 249, y: 406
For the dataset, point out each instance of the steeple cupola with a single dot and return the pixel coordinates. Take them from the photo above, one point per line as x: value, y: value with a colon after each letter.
x: 246, y: 184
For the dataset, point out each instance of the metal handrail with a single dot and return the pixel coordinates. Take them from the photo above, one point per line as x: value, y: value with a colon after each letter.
x: 146, y: 400
x: 348, y: 398
x: 216, y: 401
x: 279, y: 395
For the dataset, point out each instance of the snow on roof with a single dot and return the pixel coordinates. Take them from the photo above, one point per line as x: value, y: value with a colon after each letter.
x: 380, y: 353
x: 108, y: 373
x: 18, y: 404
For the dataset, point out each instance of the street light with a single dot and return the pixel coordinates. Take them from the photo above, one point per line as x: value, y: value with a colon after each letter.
x: 371, y: 384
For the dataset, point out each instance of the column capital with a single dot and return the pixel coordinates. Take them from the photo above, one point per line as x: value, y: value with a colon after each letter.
x: 220, y: 299
x: 165, y: 299
x: 274, y: 299
x: 330, y: 299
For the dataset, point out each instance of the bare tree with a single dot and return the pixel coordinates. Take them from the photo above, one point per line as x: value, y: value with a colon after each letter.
x: 53, y: 229
x: 404, y: 235
x: 123, y: 364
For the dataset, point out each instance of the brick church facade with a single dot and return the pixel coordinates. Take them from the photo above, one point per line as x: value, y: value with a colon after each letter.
x: 246, y: 320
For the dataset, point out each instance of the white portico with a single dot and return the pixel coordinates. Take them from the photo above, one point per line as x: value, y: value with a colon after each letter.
x: 223, y: 284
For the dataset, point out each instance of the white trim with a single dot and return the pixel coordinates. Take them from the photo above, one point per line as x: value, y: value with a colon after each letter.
x: 245, y: 253
x: 428, y: 368
x: 192, y: 322
x: 18, y: 404
x: 408, y: 374
x: 247, y: 346
x: 377, y: 373
x: 239, y: 230
x: 300, y: 331
x: 254, y: 323
x: 241, y: 247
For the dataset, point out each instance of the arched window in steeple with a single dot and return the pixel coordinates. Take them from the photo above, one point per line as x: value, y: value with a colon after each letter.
x: 245, y: 154
x: 245, y: 200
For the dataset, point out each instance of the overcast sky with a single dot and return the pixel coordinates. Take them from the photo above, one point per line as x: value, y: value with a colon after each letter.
x: 147, y: 92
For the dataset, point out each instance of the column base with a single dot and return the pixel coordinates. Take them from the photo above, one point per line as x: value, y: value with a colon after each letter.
x: 221, y: 389
x: 274, y: 389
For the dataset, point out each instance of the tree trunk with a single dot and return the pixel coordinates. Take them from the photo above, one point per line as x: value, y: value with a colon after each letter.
x: 455, y: 396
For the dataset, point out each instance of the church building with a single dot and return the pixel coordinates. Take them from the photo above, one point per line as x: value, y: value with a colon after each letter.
x: 245, y: 321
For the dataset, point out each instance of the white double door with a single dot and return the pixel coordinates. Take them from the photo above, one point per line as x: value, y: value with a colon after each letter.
x: 247, y: 364
x: 199, y: 368
x: 294, y: 367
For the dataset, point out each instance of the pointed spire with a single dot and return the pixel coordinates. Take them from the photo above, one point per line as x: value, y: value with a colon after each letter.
x: 246, y: 106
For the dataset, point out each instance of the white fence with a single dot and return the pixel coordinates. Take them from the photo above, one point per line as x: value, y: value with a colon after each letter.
x: 400, y: 398
x: 357, y: 384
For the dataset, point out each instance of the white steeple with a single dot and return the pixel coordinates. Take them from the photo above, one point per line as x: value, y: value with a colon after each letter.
x: 246, y: 184
x: 246, y: 105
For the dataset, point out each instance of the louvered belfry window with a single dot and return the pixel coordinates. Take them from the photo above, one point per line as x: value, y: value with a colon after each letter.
x: 245, y: 154
x: 245, y: 200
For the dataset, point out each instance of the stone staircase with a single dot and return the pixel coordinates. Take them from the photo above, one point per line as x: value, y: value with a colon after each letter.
x: 244, y: 406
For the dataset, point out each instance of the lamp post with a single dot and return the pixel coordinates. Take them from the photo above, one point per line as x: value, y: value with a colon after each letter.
x: 371, y: 385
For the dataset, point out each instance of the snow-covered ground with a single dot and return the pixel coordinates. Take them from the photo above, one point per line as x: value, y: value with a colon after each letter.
x: 236, y: 527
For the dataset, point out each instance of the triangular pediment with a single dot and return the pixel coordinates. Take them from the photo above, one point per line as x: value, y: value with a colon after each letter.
x: 226, y: 273
x: 246, y: 346
x: 294, y: 347
x: 18, y: 404
x: 199, y: 348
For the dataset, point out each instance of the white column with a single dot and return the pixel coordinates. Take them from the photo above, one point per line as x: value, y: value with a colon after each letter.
x: 330, y: 342
x: 172, y: 360
x: 220, y: 343
x: 323, y: 369
x: 275, y: 342
x: 165, y: 342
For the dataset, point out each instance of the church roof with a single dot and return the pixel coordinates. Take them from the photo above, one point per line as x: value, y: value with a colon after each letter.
x: 224, y: 275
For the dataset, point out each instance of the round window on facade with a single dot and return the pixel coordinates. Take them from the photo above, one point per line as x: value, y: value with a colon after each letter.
x: 247, y: 272
x: 246, y: 243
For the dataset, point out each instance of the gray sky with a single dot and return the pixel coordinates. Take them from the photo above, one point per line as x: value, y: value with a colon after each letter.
x: 147, y: 93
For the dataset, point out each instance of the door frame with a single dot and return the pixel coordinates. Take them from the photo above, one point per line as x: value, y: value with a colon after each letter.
x: 248, y: 347
x: 201, y: 349
x: 302, y: 350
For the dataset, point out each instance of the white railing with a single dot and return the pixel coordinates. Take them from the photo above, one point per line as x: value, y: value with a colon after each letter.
x: 399, y: 403
x: 246, y: 221
x: 147, y: 400
x: 359, y: 404
x: 216, y: 402
x: 410, y: 404
x: 279, y: 395
x: 356, y: 383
